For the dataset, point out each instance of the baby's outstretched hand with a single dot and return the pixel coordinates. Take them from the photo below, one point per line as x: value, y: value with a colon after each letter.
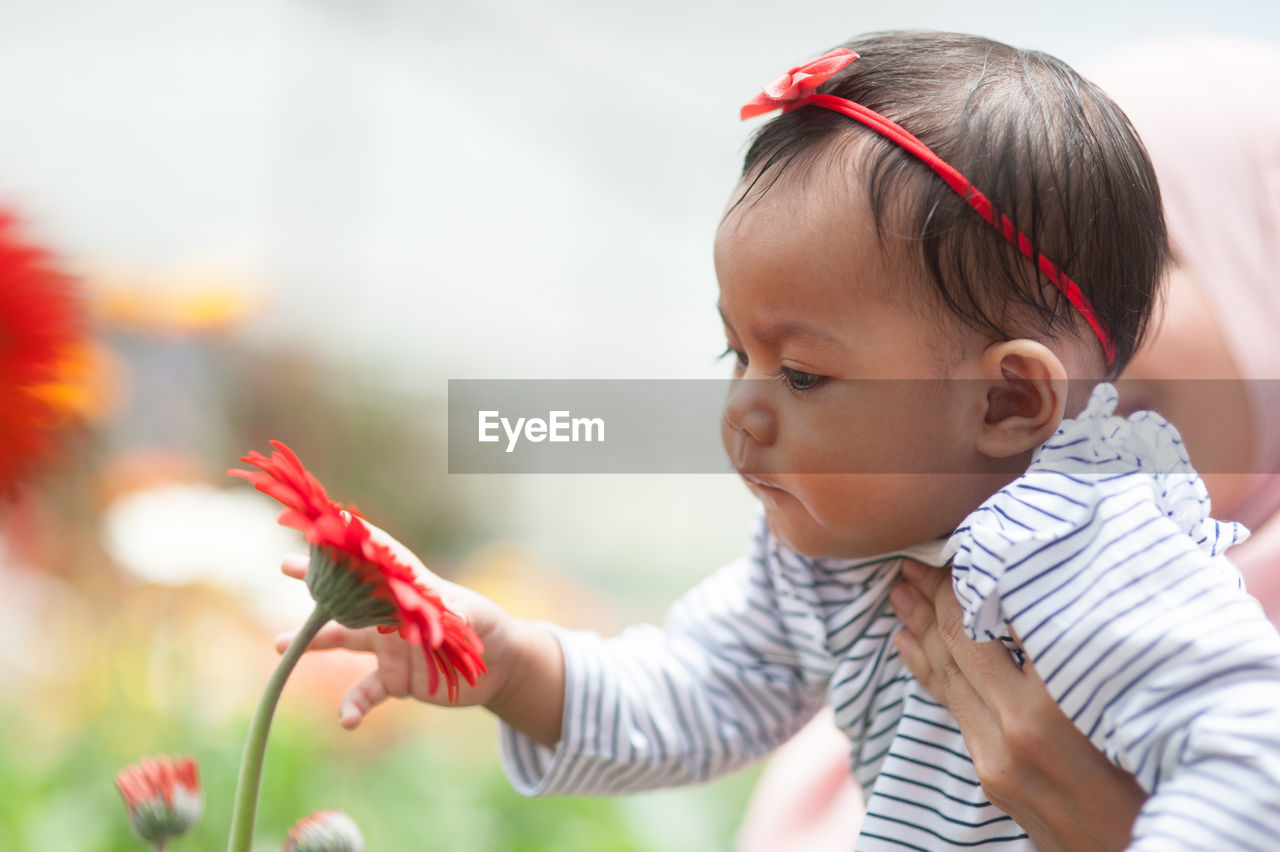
x: 402, y: 666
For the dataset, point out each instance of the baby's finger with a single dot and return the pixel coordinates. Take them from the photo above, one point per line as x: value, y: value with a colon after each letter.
x: 295, y: 565
x: 455, y: 597
x: 425, y: 575
x: 332, y: 636
x: 401, y: 552
x: 369, y: 692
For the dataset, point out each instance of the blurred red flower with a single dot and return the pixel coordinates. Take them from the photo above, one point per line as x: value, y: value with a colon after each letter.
x: 41, y: 327
x: 325, y: 831
x: 163, y: 797
x: 360, y: 581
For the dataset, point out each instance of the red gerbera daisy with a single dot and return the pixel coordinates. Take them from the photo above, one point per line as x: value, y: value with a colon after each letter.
x: 163, y: 797
x: 359, y: 581
x: 41, y: 324
x: 283, y: 476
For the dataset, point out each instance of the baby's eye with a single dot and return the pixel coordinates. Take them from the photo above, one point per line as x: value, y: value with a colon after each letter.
x: 797, y: 380
x: 739, y: 357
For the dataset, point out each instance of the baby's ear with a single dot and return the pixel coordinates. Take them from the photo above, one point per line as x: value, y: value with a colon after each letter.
x: 1026, y: 397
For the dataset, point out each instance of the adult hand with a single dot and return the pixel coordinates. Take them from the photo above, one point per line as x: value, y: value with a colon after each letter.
x: 1033, y: 763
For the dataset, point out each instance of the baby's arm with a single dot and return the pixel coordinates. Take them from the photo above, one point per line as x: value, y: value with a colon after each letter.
x: 723, y: 684
x: 524, y: 684
x: 728, y: 678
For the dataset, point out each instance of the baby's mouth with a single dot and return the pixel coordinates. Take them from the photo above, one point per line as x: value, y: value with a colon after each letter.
x: 759, y: 486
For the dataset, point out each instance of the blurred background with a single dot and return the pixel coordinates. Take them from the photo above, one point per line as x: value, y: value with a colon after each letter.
x: 298, y: 219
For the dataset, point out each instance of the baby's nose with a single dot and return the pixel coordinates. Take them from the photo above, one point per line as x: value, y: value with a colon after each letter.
x: 747, y: 411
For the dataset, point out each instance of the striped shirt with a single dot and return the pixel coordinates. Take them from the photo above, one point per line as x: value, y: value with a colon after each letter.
x: 1104, y: 562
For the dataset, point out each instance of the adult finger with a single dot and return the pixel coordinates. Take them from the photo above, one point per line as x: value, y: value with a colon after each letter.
x: 1028, y: 669
x: 927, y: 579
x: 930, y: 661
x: 917, y: 662
x: 927, y: 655
x: 964, y: 675
x: 987, y: 665
x: 916, y: 616
x: 913, y: 606
x: 367, y: 693
x: 295, y: 565
x: 934, y: 583
x: 940, y: 627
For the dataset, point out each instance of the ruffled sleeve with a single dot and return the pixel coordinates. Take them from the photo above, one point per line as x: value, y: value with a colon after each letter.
x: 1105, y: 564
x: 1095, y: 463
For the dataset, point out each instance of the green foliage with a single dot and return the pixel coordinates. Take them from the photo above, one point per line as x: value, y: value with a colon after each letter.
x: 431, y: 792
x: 129, y: 669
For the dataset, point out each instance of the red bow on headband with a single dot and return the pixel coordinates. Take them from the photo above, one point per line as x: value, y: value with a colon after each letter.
x: 798, y: 87
x: 797, y: 83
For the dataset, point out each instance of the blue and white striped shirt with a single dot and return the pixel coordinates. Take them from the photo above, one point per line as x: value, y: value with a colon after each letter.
x: 1102, y: 559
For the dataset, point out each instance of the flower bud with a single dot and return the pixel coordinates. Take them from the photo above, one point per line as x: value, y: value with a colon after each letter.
x: 163, y: 797
x: 325, y: 831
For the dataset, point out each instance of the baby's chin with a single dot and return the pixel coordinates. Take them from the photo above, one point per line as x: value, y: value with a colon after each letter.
x: 815, y: 541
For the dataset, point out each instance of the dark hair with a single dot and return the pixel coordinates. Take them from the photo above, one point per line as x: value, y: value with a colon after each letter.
x: 1049, y: 149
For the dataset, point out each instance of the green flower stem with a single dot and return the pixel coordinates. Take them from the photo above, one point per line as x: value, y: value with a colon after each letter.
x: 255, y: 747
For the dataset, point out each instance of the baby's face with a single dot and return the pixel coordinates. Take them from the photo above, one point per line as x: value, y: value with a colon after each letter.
x: 812, y: 310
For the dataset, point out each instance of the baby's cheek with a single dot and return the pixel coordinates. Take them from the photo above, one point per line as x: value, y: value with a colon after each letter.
x: 834, y: 500
x: 880, y: 512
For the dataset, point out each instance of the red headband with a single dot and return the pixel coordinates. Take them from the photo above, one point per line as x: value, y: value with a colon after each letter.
x: 797, y: 88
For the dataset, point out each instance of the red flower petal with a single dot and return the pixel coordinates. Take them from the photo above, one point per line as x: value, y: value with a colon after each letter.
x: 41, y: 323
x: 450, y: 645
x: 324, y: 830
x: 157, y: 778
x: 163, y: 797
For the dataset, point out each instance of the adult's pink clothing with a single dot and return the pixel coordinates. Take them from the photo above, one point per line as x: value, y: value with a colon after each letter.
x: 1208, y: 110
